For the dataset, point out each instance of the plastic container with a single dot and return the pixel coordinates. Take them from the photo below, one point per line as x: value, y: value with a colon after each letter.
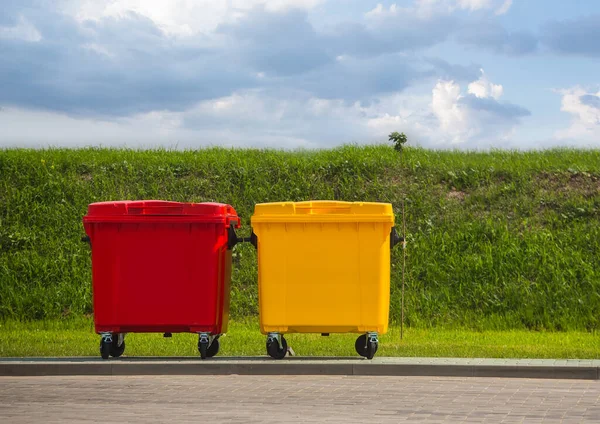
x: 324, y: 267
x: 160, y: 266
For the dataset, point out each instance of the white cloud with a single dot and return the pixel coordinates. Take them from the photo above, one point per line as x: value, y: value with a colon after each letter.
x: 294, y: 116
x: 248, y: 118
x: 474, y: 4
x: 421, y: 9
x: 263, y: 118
x: 316, y: 122
x: 54, y: 129
x: 476, y: 119
x: 453, y: 117
x: 449, y: 118
x: 101, y: 50
x: 380, y: 10
x: 587, y: 114
x: 425, y: 9
x: 404, y: 112
x: 243, y: 119
x: 500, y: 7
x: 179, y: 17
x: 584, y: 107
x: 149, y: 89
x: 418, y: 131
x: 483, y: 88
x: 277, y: 5
x: 504, y: 8
x: 22, y: 30
x: 149, y: 130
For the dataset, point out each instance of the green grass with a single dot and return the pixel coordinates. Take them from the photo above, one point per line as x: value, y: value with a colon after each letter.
x: 77, y: 338
x: 498, y: 240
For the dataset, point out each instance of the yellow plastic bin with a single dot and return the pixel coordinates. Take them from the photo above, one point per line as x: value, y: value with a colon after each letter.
x: 324, y: 267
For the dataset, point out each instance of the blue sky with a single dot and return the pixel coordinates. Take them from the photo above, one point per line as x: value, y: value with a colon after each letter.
x: 466, y: 74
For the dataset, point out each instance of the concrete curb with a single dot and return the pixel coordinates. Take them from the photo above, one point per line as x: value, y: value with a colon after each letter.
x: 446, y: 367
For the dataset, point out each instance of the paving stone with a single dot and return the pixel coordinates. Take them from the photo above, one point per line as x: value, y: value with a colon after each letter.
x: 309, y: 399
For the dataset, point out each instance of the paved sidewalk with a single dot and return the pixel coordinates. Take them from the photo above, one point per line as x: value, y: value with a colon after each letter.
x: 297, y: 399
x: 457, y: 367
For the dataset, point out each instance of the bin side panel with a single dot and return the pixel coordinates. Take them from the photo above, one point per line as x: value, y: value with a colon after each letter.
x: 272, y: 274
x: 323, y: 277
x: 158, y: 277
x: 374, y: 254
x: 224, y: 288
x: 103, y: 266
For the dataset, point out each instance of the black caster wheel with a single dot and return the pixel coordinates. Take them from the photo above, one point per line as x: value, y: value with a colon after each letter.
x: 273, y: 348
x: 104, y: 349
x: 364, y: 347
x: 361, y: 345
x: 116, y: 350
x: 203, y: 349
x: 213, y: 349
x: 371, y: 349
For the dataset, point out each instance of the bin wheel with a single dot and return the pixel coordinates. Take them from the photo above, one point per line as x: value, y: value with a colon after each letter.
x: 371, y: 349
x: 104, y: 349
x: 203, y: 349
x: 273, y: 348
x: 213, y: 349
x: 116, y: 350
x: 364, y: 347
x: 361, y: 345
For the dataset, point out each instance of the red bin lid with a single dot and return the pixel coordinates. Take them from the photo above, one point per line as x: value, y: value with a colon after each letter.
x: 147, y: 209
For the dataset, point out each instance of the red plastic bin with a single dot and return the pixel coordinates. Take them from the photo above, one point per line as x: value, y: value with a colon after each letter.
x: 160, y: 266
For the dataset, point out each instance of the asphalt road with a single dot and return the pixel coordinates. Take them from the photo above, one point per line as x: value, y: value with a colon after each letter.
x: 305, y: 399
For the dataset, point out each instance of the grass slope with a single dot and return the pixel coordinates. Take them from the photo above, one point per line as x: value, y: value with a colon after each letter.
x: 499, y: 240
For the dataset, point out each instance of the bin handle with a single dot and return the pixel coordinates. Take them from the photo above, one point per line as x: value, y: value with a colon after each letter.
x: 323, y: 207
x: 252, y: 240
x: 155, y: 210
x: 233, y: 239
x: 395, y: 238
x: 235, y: 221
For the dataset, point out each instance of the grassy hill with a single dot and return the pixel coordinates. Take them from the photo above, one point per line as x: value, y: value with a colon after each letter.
x: 496, y: 240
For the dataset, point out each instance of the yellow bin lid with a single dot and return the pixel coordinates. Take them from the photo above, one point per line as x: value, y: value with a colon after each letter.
x: 323, y: 211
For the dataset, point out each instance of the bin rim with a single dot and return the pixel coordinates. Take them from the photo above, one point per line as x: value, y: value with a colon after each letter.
x: 161, y: 211
x: 325, y: 211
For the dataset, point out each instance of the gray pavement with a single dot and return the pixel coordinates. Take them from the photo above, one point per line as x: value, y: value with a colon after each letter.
x: 456, y: 367
x: 298, y: 399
